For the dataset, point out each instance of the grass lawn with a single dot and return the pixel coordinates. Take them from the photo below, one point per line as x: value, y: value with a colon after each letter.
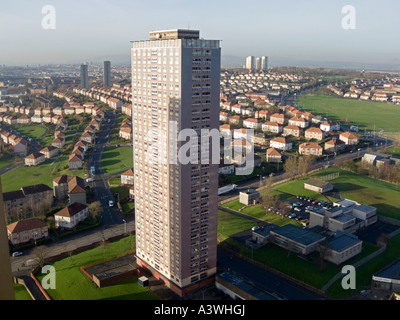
x: 229, y: 224
x: 6, y: 161
x: 72, y: 284
x: 365, y: 114
x: 117, y: 159
x: 382, y: 195
x: 32, y: 131
x: 44, y: 173
x: 21, y: 293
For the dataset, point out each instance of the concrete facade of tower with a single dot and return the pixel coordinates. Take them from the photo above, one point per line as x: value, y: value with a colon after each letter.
x: 107, y: 74
x: 175, y: 86
x: 84, y: 76
x: 6, y: 279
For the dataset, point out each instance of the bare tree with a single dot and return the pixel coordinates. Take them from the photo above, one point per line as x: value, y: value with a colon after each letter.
x: 40, y: 255
x: 95, y: 209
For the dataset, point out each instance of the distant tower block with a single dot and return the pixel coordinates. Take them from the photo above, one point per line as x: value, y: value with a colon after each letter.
x: 107, y: 74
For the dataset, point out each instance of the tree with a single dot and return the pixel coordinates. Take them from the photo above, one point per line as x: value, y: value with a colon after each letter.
x: 40, y: 255
x: 95, y: 209
x: 305, y: 164
x: 291, y: 167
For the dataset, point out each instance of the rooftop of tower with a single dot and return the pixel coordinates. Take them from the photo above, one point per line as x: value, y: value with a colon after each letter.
x: 174, y: 34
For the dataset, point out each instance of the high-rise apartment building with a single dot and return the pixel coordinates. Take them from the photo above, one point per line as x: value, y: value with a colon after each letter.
x: 257, y: 63
x: 6, y: 280
x: 250, y: 63
x: 264, y: 63
x: 175, y: 86
x: 84, y: 76
x: 107, y: 74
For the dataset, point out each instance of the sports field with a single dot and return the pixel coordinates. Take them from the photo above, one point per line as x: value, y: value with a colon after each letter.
x: 364, y: 114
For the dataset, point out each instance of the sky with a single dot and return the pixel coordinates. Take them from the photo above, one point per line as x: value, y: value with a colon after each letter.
x: 285, y: 29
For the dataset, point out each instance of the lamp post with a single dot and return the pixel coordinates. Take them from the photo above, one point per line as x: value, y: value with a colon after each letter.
x: 124, y: 225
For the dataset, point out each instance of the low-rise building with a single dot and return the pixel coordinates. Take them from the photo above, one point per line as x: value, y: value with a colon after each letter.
x: 318, y: 186
x: 75, y: 162
x: 249, y: 197
x: 24, y: 231
x: 273, y: 127
x: 334, y: 145
x: 348, y: 138
x: 49, y: 152
x: 296, y: 239
x: 310, y: 148
x: 292, y: 130
x: 127, y: 177
x: 273, y: 155
x: 314, y: 133
x: 71, y: 216
x: 281, y: 144
x: 35, y: 159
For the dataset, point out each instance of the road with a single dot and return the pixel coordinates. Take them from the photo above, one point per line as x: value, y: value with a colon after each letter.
x: 100, y: 187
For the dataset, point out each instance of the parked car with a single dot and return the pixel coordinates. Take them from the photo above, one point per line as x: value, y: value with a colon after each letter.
x: 315, y: 202
x: 17, y: 254
x: 297, y: 209
x: 292, y: 215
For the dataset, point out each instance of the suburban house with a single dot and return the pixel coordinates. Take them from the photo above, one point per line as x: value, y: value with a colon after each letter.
x: 226, y: 130
x: 240, y: 133
x: 281, y: 144
x: 58, y: 143
x: 127, y: 177
x: 80, y: 151
x: 273, y: 127
x: 75, y: 162
x: 310, y: 148
x: 88, y: 137
x: 273, y: 155
x: 292, y: 130
x: 49, y: 152
x: 348, y: 138
x: 262, y: 114
x: 318, y: 185
x: 299, y: 122
x: 278, y: 118
x: 20, y: 147
x: 334, y: 145
x: 223, y: 116
x: 235, y: 120
x: 82, y: 144
x: 70, y: 216
x: 23, y: 231
x: 252, y: 123
x: 314, y: 133
x: 76, y: 190
x: 35, y: 159
x: 329, y: 126
x: 126, y: 133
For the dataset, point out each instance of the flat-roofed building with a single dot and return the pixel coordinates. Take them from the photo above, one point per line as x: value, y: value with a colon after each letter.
x: 342, y: 247
x: 318, y: 185
x: 296, y: 239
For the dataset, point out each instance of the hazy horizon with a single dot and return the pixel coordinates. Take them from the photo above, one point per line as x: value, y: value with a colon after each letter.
x: 301, y: 31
